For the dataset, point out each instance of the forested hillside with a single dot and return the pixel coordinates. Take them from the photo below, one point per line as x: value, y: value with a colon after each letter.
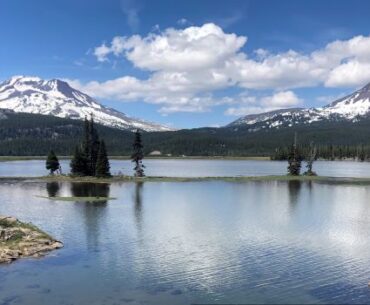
x: 31, y: 134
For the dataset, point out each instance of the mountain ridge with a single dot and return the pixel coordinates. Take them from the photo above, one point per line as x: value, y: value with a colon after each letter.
x: 55, y: 97
x: 348, y: 108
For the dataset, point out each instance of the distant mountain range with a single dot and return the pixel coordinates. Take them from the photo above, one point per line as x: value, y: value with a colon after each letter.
x: 37, y: 115
x: 350, y: 108
x: 57, y: 98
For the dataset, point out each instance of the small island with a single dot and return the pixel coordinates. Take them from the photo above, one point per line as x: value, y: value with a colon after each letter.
x: 18, y: 240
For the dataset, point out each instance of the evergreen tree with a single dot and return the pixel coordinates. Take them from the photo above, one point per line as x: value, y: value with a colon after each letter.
x: 52, y: 162
x: 138, y: 155
x: 90, y: 146
x: 310, y: 158
x: 361, y: 154
x: 294, y: 159
x: 86, y: 147
x: 102, y: 163
x: 78, y: 163
x: 94, y: 146
x: 332, y: 156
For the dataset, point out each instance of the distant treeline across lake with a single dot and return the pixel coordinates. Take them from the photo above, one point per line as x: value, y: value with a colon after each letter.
x: 35, y: 135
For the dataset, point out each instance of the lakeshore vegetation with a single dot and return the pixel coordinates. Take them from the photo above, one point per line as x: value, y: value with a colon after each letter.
x: 90, y: 158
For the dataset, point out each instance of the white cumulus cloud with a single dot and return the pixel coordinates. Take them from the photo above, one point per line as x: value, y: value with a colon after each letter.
x: 186, y: 66
x: 192, y: 48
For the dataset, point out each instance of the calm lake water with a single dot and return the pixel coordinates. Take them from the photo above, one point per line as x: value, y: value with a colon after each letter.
x: 198, y: 168
x: 194, y: 242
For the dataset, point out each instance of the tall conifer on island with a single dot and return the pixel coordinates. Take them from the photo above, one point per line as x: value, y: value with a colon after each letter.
x: 88, y: 154
x: 86, y: 148
x: 137, y: 155
x: 52, y: 162
x: 79, y: 162
x: 294, y: 159
x: 102, y: 163
x: 310, y: 158
x: 90, y: 157
x: 94, y: 146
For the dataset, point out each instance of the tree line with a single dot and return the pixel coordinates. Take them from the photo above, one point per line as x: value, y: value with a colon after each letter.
x: 328, y: 152
x: 24, y: 134
x: 90, y: 156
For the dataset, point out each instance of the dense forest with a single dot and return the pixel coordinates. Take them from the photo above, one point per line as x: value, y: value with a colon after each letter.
x: 31, y: 134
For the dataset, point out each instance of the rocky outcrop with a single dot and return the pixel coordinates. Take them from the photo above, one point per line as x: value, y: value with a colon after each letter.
x: 18, y: 239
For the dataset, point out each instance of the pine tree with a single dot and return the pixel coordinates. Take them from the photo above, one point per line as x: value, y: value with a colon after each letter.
x: 294, y: 159
x: 94, y: 146
x: 102, y: 164
x: 361, y: 154
x: 52, y: 162
x: 90, y: 146
x: 332, y: 156
x: 138, y: 155
x: 86, y: 148
x: 79, y: 162
x: 310, y: 158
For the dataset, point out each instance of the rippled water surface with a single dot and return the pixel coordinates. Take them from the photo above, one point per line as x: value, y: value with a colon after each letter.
x: 198, y: 168
x: 193, y: 242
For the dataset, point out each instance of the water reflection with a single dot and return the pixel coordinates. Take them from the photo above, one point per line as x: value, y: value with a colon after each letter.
x: 52, y: 189
x: 93, y: 212
x: 294, y: 188
x: 91, y: 190
x: 195, y: 242
x: 138, y: 205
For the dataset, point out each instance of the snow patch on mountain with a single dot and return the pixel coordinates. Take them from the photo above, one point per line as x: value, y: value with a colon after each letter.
x: 58, y: 98
x: 350, y: 108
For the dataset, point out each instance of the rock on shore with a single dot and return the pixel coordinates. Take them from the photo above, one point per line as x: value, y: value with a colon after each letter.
x: 18, y: 239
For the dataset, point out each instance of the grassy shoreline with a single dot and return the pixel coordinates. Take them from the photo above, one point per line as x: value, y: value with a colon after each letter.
x: 114, y: 179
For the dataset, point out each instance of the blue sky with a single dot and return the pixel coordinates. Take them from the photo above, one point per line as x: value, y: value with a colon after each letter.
x: 191, y: 63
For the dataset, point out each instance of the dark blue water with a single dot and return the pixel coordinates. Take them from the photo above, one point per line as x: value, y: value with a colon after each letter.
x: 194, y: 242
x: 198, y: 168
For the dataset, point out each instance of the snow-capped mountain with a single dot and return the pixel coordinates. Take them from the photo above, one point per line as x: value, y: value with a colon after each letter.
x: 57, y: 98
x: 349, y: 108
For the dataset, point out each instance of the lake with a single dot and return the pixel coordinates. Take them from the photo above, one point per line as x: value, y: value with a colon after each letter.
x: 197, y: 168
x: 207, y: 242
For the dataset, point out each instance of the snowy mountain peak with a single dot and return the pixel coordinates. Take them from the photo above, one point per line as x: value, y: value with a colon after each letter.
x: 353, y: 105
x: 56, y: 97
x: 350, y: 108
